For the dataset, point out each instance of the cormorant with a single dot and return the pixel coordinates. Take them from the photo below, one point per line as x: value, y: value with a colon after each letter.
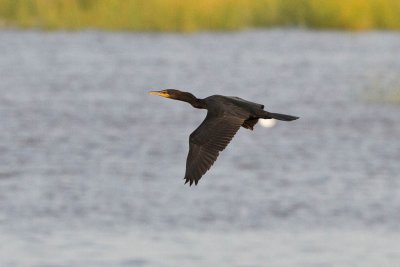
x: 226, y: 114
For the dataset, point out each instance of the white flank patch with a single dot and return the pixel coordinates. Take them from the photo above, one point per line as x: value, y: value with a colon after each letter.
x: 267, y: 123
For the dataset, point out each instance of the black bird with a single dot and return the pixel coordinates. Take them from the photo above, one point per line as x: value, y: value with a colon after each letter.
x: 226, y: 114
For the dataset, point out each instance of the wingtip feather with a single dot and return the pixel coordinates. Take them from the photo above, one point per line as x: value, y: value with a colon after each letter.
x: 190, y: 181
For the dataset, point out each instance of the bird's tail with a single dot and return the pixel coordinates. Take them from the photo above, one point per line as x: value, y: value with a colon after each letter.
x: 281, y: 117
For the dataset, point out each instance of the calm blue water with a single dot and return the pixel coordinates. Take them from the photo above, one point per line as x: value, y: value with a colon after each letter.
x: 91, y: 166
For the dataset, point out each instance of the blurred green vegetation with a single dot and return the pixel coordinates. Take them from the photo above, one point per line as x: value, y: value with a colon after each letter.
x: 383, y: 92
x: 194, y: 15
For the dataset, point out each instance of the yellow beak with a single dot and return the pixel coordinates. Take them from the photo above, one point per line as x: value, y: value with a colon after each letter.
x: 159, y: 93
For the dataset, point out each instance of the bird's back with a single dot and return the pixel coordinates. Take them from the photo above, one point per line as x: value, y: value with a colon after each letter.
x: 233, y: 104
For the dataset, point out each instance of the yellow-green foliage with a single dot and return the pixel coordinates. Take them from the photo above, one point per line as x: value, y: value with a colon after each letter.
x: 192, y: 15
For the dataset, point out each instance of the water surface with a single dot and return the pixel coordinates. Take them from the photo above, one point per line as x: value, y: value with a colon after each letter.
x: 91, y: 166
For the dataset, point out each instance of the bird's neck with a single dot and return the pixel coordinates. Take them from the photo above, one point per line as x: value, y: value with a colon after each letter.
x: 192, y: 100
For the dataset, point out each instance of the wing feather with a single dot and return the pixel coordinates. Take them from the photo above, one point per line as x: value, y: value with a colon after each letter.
x: 205, y: 143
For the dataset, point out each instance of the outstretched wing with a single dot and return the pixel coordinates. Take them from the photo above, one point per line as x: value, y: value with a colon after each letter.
x: 205, y: 143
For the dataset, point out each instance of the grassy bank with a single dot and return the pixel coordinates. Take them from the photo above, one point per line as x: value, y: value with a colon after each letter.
x: 193, y: 15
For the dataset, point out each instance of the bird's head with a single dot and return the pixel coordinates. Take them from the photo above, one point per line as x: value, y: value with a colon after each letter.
x: 182, y: 96
x: 168, y: 93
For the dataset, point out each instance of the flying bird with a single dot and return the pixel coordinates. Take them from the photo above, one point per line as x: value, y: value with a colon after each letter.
x: 226, y: 114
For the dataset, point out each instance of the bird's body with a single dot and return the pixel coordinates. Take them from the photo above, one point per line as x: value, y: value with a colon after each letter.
x: 225, y: 116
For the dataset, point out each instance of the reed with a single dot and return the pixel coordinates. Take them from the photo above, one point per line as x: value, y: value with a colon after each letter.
x: 194, y: 15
